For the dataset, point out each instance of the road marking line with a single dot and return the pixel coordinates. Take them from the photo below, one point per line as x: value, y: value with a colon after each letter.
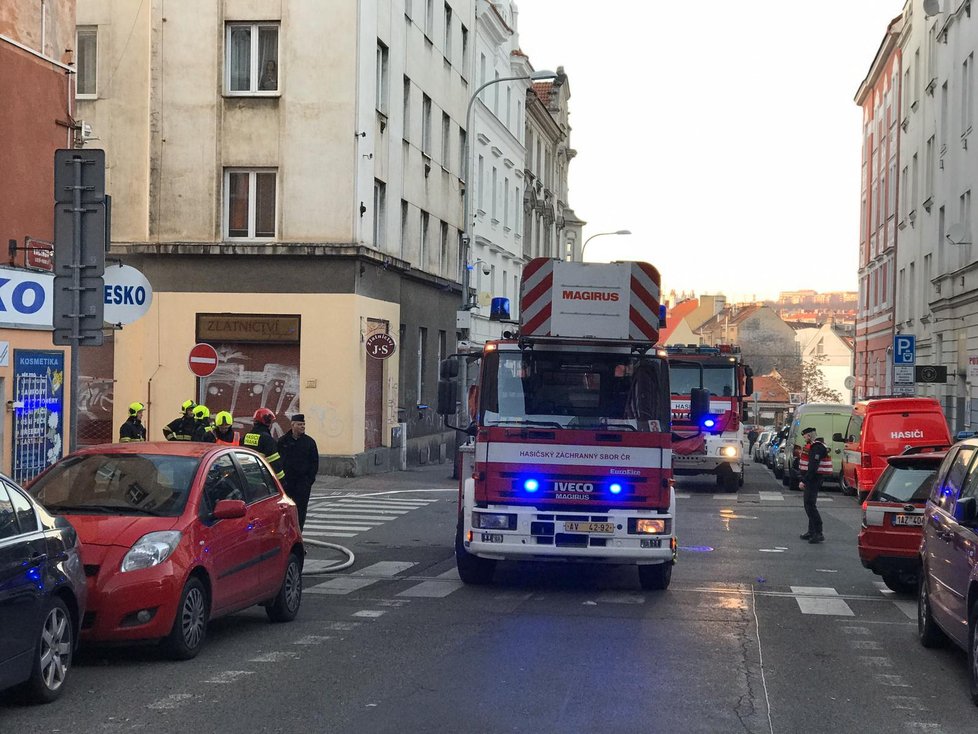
x: 683, y: 496
x: 362, y: 578
x: 369, y: 613
x: 866, y: 645
x: 624, y: 597
x: 894, y: 681
x: 875, y: 662
x: 855, y: 630
x: 778, y: 496
x: 331, y: 535
x: 821, y: 600
x: 320, y: 526
x: 275, y: 657
x: 229, y: 676
x: 909, y: 608
x: 343, y: 517
x: 909, y: 703
x: 172, y: 701
x: 312, y: 640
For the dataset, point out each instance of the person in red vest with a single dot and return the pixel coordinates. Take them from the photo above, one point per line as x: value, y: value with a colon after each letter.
x: 223, y: 431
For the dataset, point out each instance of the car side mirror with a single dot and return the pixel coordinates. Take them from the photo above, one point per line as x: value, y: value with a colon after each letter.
x: 838, y: 437
x: 965, y: 511
x: 229, y: 509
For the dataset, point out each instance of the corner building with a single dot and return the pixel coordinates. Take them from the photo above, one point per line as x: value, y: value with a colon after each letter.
x: 288, y: 178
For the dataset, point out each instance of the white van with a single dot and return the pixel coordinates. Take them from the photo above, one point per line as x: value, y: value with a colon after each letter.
x: 826, y: 418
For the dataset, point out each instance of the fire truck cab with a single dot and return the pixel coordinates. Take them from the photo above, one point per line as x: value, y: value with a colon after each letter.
x: 713, y: 443
x: 569, y: 456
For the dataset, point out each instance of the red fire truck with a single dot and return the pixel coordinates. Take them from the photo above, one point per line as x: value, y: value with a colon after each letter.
x: 713, y: 443
x: 570, y: 451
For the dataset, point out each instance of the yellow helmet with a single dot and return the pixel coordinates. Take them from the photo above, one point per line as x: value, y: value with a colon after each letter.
x: 223, y: 419
x: 187, y: 405
x: 202, y: 412
x: 134, y: 408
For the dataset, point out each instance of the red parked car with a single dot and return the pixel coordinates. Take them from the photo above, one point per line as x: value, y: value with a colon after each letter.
x: 893, y: 517
x: 176, y: 534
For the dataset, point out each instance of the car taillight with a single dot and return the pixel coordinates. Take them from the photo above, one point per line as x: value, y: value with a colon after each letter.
x: 865, y: 524
x: 867, y: 462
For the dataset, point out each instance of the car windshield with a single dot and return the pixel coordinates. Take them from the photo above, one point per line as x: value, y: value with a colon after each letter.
x: 117, y: 484
x: 905, y: 484
x: 684, y: 376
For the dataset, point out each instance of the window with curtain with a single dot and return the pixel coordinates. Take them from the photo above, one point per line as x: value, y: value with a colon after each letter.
x: 87, y: 61
x: 252, y: 58
x: 250, y: 203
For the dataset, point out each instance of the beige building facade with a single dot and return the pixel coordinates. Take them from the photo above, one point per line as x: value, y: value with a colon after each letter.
x: 292, y: 178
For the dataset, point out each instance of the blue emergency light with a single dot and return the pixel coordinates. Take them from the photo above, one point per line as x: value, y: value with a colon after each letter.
x: 709, y: 421
x: 615, y: 488
x: 499, y: 309
x: 531, y: 485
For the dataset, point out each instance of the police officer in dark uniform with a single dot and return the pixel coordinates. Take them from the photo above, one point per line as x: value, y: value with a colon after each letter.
x: 203, y: 430
x: 811, y: 482
x: 260, y: 439
x: 182, y: 428
x: 133, y: 429
x: 300, y: 456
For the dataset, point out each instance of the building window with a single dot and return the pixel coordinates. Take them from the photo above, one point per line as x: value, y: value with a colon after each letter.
x: 422, y: 358
x: 249, y: 203
x: 446, y: 141
x: 423, y: 245
x: 86, y: 61
x: 429, y: 19
x: 506, y: 201
x: 380, y: 212
x: 426, y: 124
x: 967, y: 93
x: 494, y: 187
x: 461, y: 152
x: 444, y: 247
x: 448, y: 33
x: 407, y: 108
x: 442, y: 345
x: 382, y: 77
x: 465, y: 49
x: 482, y: 183
x: 252, y: 58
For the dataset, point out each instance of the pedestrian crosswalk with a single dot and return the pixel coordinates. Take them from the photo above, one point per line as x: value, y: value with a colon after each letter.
x: 406, y: 580
x: 348, y: 516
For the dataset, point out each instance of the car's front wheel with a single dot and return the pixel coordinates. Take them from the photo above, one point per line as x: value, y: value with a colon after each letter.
x: 186, y: 638
x: 472, y: 569
x: 52, y: 654
x: 285, y: 606
x: 929, y: 634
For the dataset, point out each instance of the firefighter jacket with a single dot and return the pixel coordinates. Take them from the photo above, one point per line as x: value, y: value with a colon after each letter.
x: 181, y: 429
x: 300, y: 458
x: 259, y: 439
x: 132, y: 430
x: 203, y: 431
x: 230, y: 437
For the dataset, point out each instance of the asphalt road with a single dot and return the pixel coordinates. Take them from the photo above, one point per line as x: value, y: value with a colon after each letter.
x: 759, y: 632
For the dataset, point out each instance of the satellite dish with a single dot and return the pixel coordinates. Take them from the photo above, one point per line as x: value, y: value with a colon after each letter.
x: 931, y: 7
x: 957, y: 235
x: 849, y: 382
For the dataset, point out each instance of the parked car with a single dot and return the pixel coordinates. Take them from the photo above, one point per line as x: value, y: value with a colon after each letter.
x: 893, y: 518
x: 42, y: 596
x: 772, y: 448
x: 759, y: 445
x: 884, y: 427
x: 828, y: 420
x: 174, y: 535
x: 947, y: 605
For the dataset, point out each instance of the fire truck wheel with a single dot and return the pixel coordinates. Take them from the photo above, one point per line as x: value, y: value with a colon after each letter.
x: 472, y: 569
x: 655, y: 577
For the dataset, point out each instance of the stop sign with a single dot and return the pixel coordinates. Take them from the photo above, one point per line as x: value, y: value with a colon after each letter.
x: 203, y: 360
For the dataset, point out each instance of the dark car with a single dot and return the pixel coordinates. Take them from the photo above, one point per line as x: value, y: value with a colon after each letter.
x: 175, y: 534
x: 42, y: 596
x: 893, y: 516
x: 947, y: 598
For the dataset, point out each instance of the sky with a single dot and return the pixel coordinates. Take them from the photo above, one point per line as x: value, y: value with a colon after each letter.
x: 723, y: 134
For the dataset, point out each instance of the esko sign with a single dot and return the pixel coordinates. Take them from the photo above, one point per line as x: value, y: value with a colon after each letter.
x: 26, y: 297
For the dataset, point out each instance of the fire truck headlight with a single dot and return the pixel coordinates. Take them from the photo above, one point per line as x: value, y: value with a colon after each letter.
x: 531, y: 485
x: 615, y: 488
x: 493, y: 521
x: 728, y: 451
x: 650, y: 527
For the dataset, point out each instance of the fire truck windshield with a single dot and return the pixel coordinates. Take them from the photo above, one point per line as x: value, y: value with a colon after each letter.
x: 575, y: 390
x: 720, y: 379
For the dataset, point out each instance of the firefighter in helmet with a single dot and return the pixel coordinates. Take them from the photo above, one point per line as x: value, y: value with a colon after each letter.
x: 224, y: 433
x: 133, y: 429
x: 203, y: 430
x: 260, y: 439
x: 182, y: 428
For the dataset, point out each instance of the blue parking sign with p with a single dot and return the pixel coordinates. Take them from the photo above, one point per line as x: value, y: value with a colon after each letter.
x: 904, y: 349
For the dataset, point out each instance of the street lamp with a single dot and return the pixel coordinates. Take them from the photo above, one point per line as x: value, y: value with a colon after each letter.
x: 466, y: 235
x: 601, y: 234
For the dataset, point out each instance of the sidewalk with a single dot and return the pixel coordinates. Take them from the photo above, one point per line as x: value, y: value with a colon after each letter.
x: 429, y: 476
